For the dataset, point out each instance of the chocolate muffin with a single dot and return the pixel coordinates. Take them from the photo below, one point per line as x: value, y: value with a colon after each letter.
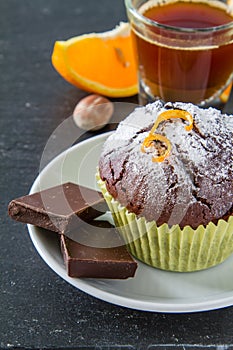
x: 174, y: 188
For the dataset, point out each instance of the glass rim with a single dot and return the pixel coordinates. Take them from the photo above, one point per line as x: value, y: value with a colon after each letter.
x: 130, y: 7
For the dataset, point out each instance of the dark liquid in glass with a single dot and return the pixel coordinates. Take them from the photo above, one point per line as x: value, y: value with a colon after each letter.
x: 193, y: 69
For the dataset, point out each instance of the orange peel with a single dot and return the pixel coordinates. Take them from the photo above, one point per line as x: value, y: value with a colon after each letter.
x: 149, y: 141
x: 172, y: 114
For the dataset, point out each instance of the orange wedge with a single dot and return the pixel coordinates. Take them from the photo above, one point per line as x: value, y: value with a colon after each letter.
x: 102, y: 63
x: 226, y: 93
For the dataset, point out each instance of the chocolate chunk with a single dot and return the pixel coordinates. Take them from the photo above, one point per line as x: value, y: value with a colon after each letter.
x: 61, y: 208
x: 94, y: 261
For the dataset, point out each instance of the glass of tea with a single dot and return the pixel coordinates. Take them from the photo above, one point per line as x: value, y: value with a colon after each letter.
x: 184, y: 49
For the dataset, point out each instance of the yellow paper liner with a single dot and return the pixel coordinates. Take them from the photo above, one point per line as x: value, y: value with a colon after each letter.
x: 172, y: 248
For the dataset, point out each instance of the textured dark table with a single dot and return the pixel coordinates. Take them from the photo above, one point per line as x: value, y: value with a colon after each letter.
x: 38, y: 310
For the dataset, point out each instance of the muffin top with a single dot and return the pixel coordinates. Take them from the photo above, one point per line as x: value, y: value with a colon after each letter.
x: 193, y: 185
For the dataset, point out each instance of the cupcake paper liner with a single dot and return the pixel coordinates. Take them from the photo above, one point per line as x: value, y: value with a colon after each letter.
x: 172, y: 248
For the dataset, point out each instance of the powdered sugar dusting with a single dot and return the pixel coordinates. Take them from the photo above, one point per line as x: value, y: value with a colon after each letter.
x: 198, y: 167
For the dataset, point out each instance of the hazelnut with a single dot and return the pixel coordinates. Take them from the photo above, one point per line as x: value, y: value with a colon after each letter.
x: 93, y: 112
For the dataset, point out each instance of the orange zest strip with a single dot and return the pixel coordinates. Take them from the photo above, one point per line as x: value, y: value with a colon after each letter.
x: 149, y: 140
x: 172, y: 114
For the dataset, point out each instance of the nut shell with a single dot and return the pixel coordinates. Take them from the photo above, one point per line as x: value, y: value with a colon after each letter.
x: 93, y: 112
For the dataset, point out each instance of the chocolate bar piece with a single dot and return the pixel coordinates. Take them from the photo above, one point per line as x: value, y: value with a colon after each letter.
x: 94, y: 260
x: 61, y: 208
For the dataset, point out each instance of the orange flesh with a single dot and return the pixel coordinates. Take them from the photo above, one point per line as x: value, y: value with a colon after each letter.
x: 98, y: 53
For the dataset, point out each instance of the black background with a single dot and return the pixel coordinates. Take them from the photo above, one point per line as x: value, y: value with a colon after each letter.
x: 37, y: 308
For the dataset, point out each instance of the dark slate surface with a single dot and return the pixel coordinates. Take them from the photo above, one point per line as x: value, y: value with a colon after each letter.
x: 38, y: 310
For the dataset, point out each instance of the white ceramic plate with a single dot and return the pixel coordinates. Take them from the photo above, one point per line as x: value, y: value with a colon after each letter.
x: 151, y: 289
